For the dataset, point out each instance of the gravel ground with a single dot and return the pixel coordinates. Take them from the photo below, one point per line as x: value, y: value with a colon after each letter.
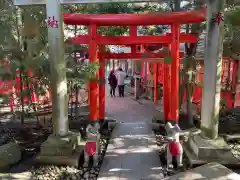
x: 235, y: 145
x: 70, y: 173
x: 31, y: 146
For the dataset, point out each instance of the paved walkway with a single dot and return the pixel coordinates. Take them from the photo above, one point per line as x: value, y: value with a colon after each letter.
x: 131, y: 154
x: 129, y: 110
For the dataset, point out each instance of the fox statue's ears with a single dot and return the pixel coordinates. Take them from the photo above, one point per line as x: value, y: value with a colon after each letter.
x: 88, y: 128
x: 97, y: 126
x: 169, y: 126
x: 177, y: 127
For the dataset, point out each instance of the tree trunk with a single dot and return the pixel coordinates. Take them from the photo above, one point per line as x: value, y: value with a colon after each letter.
x: 189, y: 90
x: 190, y: 50
x: 76, y: 101
x: 126, y: 66
x: 71, y: 97
x: 213, y: 68
x: 177, y: 6
x: 184, y: 72
x: 21, y: 96
x: 20, y: 42
x: 113, y: 64
x: 228, y: 75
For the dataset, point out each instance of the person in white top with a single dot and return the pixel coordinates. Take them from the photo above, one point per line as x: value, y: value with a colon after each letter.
x: 120, y: 80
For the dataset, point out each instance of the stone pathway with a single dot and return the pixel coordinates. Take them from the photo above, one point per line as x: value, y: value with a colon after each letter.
x: 131, y: 154
x: 127, y: 109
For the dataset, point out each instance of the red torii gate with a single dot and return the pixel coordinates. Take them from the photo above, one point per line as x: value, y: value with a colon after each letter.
x: 133, y: 20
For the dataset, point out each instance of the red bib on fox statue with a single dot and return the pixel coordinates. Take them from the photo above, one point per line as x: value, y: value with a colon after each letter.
x: 91, y: 148
x: 92, y: 145
x: 174, y: 148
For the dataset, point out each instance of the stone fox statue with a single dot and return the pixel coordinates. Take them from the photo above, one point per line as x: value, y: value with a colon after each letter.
x: 92, y: 144
x: 174, y: 147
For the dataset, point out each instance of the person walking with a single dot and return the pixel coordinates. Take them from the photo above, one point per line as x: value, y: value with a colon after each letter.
x: 120, y: 82
x: 112, y: 80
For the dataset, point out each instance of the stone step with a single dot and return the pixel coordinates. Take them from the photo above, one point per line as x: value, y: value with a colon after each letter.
x: 211, y: 171
x: 16, y: 176
x: 231, y: 137
x: 199, y: 152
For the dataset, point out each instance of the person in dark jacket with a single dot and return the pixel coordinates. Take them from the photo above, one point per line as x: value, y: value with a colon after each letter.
x: 112, y: 82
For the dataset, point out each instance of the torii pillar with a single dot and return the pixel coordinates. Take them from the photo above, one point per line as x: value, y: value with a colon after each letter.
x: 174, y: 97
x: 101, y: 88
x: 166, y: 92
x: 155, y: 83
x: 93, y: 84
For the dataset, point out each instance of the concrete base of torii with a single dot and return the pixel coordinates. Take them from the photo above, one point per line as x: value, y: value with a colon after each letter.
x: 62, y: 150
x: 200, y: 151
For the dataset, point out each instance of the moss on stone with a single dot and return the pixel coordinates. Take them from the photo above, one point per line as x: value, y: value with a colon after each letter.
x: 208, y: 133
x: 61, y: 146
x: 9, y: 154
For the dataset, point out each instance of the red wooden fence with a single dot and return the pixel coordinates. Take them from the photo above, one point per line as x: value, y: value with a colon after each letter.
x: 226, y: 73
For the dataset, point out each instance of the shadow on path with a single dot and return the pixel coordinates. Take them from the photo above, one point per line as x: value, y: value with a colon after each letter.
x: 131, y: 154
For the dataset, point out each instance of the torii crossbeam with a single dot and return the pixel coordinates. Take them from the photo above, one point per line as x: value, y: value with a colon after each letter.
x: 129, y: 40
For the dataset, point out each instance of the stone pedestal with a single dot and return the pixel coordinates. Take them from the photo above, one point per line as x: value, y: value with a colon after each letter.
x: 200, y: 150
x: 205, y: 149
x: 211, y: 171
x: 10, y: 154
x: 62, y: 150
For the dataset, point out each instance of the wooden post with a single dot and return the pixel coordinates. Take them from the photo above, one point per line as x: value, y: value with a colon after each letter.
x: 93, y: 85
x: 101, y: 89
x: 174, y: 97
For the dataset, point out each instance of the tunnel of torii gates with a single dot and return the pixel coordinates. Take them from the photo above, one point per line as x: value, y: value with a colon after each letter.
x: 97, y: 52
